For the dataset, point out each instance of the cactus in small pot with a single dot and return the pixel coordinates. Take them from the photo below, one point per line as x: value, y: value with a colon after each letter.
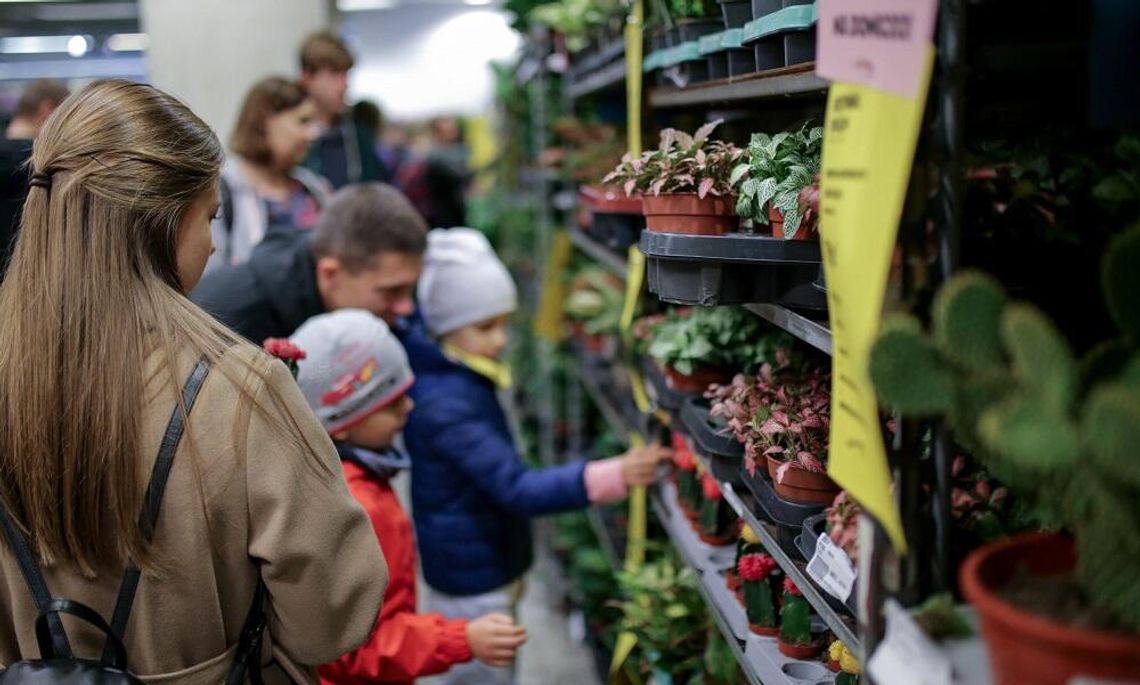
x: 747, y: 543
x: 759, y: 598
x: 719, y: 524
x: 796, y: 638
x: 688, y: 481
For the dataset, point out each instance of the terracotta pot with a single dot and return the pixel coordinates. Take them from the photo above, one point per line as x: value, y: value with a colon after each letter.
x: 723, y: 540
x: 698, y: 381
x: 833, y: 666
x: 740, y: 596
x: 687, y: 213
x: 609, y: 199
x: 804, y: 651
x: 1028, y: 648
x: 804, y: 232
x: 763, y: 631
x: 801, y: 485
x: 594, y: 343
x: 732, y: 580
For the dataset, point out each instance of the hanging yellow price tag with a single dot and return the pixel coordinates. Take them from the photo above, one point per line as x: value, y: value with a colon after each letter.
x: 868, y: 151
x: 548, y: 320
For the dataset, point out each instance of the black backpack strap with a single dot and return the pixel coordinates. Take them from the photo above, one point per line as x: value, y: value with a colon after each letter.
x: 35, y: 580
x: 160, y: 474
x: 247, y: 660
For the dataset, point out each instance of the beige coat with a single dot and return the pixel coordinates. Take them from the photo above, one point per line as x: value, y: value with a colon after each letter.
x: 260, y: 498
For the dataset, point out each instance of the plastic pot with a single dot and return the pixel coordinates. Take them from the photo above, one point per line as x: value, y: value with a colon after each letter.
x: 693, y: 29
x: 801, y: 485
x: 718, y: 66
x: 741, y: 62
x: 699, y: 380
x: 689, y: 214
x: 1028, y: 648
x: 805, y: 232
x: 762, y: 8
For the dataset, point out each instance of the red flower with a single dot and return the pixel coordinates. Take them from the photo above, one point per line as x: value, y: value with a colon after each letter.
x: 790, y: 587
x: 283, y: 349
x: 709, y: 488
x: 684, y: 460
x: 754, y: 567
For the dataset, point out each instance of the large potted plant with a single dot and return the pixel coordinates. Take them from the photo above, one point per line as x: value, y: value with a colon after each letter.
x: 685, y: 182
x: 1063, y: 435
x: 773, y: 175
x: 706, y: 346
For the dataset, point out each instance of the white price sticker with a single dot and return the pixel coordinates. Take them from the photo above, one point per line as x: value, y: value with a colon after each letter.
x: 906, y: 656
x: 831, y: 569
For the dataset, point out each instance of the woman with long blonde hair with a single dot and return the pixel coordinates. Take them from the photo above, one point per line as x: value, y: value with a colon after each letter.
x: 97, y: 339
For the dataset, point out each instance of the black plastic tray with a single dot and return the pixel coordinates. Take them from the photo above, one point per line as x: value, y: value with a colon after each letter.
x: 669, y: 399
x: 736, y: 268
x: 723, y: 451
x: 806, y: 542
x: 780, y: 511
x: 617, y: 231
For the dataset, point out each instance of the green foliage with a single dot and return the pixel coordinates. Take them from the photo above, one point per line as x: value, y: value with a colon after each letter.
x: 940, y: 618
x: 966, y: 312
x: 714, y: 336
x: 665, y: 610
x: 777, y: 168
x: 720, y: 662
x: 1062, y: 434
x: 1120, y: 279
x: 596, y: 300
x: 693, y: 9
x: 574, y: 19
x: 682, y: 163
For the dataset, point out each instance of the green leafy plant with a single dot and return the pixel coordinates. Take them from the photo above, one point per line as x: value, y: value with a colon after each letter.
x: 596, y: 300
x: 777, y: 169
x: 728, y: 337
x: 692, y: 9
x: 1061, y: 433
x: 682, y: 163
x: 574, y: 19
x: 665, y: 610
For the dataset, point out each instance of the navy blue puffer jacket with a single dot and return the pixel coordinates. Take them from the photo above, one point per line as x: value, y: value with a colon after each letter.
x: 472, y: 496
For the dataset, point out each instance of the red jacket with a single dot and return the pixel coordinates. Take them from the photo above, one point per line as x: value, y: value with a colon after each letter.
x: 403, y: 645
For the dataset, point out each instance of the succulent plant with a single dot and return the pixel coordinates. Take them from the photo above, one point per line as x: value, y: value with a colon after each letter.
x: 795, y: 616
x: 1062, y: 433
x: 759, y: 603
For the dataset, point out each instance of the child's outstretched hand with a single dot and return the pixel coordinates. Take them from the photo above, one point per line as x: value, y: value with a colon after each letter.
x: 494, y: 639
x: 639, y: 465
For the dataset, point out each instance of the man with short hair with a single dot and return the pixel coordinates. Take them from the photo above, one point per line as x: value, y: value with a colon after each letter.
x: 345, y: 153
x: 33, y: 108
x: 365, y: 252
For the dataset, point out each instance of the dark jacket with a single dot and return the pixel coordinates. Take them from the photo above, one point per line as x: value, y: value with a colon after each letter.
x: 472, y: 497
x: 346, y: 153
x: 269, y: 296
x: 13, y: 191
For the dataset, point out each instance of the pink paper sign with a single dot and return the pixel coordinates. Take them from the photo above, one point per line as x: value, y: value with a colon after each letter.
x: 877, y: 43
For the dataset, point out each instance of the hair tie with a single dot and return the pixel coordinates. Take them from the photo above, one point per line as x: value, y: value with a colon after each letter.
x: 41, y: 180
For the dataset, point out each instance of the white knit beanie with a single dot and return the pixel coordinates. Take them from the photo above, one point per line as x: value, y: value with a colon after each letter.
x: 463, y: 281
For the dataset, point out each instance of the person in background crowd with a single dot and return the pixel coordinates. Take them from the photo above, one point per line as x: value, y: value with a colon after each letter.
x: 472, y: 495
x: 356, y: 378
x: 33, y: 108
x: 98, y: 337
x: 263, y: 188
x: 437, y: 183
x: 345, y: 152
x: 365, y: 252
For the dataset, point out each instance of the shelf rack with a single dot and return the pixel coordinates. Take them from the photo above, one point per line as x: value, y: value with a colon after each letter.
x: 796, y: 81
x: 607, y: 258
x: 814, y: 333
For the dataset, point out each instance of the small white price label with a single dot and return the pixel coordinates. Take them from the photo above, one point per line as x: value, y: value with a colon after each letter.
x: 906, y: 656
x: 831, y: 569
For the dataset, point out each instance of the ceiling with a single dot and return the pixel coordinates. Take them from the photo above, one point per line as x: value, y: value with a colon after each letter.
x: 97, y: 18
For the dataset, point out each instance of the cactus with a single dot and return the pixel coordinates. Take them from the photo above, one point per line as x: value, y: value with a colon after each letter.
x: 1061, y: 433
x: 795, y: 616
x: 759, y: 600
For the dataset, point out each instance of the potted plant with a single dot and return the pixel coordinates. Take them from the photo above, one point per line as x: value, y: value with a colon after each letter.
x: 757, y: 570
x: 788, y: 431
x: 1063, y: 436
x: 843, y: 663
x: 694, y: 18
x: 685, y: 182
x: 843, y: 525
x: 707, y: 345
x: 594, y: 309
x: 796, y: 638
x: 719, y: 525
x: 688, y: 480
x: 770, y: 180
x: 748, y: 543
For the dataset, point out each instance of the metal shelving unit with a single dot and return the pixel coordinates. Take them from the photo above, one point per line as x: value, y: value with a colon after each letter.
x: 796, y: 81
x: 814, y: 333
x: 660, y: 509
x: 604, y: 256
x: 606, y: 77
x: 605, y: 539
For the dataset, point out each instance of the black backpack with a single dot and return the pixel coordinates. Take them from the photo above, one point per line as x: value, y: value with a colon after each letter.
x: 57, y: 663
